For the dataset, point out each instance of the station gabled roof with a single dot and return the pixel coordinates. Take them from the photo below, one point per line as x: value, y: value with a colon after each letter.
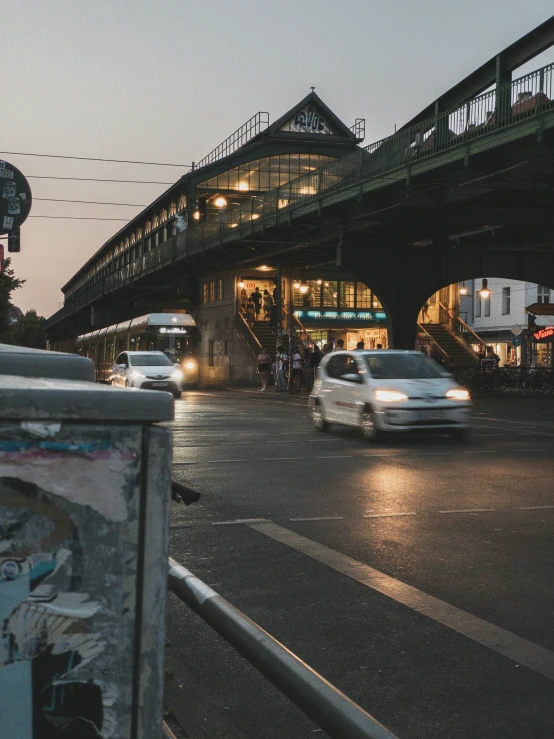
x: 313, y: 118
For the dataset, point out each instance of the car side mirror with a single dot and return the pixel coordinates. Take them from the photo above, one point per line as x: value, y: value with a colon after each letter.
x: 352, y: 378
x: 122, y: 366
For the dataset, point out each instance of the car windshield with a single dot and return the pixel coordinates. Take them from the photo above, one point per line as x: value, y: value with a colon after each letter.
x: 402, y: 366
x: 150, y: 360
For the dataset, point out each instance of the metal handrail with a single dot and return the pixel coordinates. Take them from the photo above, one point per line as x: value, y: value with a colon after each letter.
x: 464, y: 324
x: 433, y: 342
x: 330, y: 709
x: 251, y: 334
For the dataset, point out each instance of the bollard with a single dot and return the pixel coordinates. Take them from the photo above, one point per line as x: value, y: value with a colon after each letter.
x: 85, y: 478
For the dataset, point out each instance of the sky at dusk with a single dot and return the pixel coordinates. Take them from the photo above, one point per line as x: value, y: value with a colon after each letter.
x: 167, y: 81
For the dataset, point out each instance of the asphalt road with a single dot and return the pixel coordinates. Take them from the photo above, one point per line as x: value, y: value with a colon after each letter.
x: 416, y: 575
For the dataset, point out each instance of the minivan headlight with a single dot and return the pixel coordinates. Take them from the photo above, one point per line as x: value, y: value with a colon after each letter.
x: 390, y: 396
x: 190, y: 365
x: 457, y: 393
x: 177, y: 375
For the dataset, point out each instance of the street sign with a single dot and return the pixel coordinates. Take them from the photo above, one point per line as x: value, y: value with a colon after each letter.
x: 517, y: 330
x: 516, y: 341
x: 15, y: 198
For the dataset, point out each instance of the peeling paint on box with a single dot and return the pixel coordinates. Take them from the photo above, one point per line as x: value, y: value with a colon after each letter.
x: 68, y: 564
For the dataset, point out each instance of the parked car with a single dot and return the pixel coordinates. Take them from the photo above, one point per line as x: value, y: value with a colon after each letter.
x: 147, y: 370
x: 388, y: 390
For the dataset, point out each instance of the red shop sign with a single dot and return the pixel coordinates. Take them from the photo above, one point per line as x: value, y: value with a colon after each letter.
x: 544, y: 333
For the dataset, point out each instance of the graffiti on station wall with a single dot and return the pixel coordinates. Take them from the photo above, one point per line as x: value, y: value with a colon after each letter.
x: 307, y: 120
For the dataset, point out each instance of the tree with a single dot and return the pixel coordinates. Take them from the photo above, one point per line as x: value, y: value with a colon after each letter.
x: 29, y: 331
x: 8, y: 283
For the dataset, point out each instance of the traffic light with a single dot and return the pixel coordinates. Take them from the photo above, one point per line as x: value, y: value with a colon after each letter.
x: 14, y: 243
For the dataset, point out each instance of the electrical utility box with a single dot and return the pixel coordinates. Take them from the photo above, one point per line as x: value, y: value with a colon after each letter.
x: 85, y: 478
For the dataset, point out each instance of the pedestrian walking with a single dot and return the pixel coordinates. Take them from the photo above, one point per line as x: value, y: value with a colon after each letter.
x: 360, y: 346
x: 250, y: 313
x: 256, y: 298
x: 340, y: 345
x: 268, y: 302
x: 379, y: 346
x: 243, y: 299
x: 264, y: 365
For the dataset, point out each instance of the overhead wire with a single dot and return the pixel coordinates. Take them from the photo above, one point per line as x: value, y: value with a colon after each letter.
x: 96, y: 159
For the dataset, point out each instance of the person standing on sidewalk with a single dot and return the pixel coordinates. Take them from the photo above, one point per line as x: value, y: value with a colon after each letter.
x: 282, y: 367
x: 264, y: 365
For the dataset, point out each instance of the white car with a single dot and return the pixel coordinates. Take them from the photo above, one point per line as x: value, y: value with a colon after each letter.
x: 147, y: 370
x: 386, y: 390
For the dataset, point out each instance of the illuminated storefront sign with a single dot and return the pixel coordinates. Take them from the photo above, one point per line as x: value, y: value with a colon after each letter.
x: 344, y: 317
x: 544, y: 333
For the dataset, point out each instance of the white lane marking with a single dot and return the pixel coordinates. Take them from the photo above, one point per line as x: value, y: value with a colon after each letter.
x: 386, y: 515
x: 337, y: 456
x: 484, y: 451
x: 179, y: 464
x: 239, y: 520
x: 319, y: 518
x: 494, y: 637
x: 535, y: 507
x: 278, y: 459
x: 468, y: 510
x: 526, y: 450
x: 520, y: 423
x: 222, y: 461
x: 428, y: 454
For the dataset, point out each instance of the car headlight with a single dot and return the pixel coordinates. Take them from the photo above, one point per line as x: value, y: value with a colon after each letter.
x: 457, y: 393
x: 190, y: 365
x: 390, y: 396
x: 177, y: 375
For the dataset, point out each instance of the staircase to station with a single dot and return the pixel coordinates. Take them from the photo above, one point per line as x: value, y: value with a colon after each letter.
x: 265, y: 334
x: 452, y: 345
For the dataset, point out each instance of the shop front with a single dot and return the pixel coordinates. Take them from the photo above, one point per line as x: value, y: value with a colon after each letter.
x: 543, y: 340
x: 329, y: 310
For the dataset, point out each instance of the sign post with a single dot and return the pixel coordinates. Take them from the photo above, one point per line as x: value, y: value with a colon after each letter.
x: 15, y: 203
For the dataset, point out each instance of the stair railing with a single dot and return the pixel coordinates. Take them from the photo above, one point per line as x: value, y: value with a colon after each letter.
x: 467, y: 334
x: 248, y: 335
x: 301, y: 326
x: 433, y: 342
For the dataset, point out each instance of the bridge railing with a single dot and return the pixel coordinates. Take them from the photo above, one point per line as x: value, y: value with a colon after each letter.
x: 526, y: 97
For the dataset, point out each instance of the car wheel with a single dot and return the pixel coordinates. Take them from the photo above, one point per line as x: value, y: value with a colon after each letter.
x: 318, y: 418
x: 176, y: 395
x: 368, y: 428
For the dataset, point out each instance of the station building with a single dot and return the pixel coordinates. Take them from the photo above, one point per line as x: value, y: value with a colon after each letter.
x: 127, y: 276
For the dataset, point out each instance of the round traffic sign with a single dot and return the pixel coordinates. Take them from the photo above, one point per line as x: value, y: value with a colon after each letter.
x: 15, y: 198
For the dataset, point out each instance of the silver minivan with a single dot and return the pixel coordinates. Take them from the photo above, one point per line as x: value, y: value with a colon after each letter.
x: 388, y: 390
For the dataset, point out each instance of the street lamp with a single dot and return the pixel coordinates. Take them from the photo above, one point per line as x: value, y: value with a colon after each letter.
x: 220, y: 202
x: 484, y: 292
x: 303, y: 288
x: 463, y: 289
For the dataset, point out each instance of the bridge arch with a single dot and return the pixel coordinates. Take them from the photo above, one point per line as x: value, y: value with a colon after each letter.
x: 404, y: 276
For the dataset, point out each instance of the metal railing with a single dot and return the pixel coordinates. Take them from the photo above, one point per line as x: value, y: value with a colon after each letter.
x: 467, y: 334
x: 527, y: 97
x: 241, y: 136
x: 433, y: 343
x: 330, y: 709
